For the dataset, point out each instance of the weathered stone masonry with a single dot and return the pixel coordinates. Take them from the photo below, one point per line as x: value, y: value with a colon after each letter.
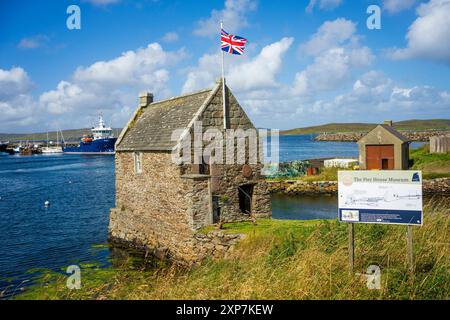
x: 163, y: 208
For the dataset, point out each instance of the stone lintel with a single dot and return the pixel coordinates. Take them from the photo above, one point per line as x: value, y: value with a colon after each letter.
x: 196, y: 176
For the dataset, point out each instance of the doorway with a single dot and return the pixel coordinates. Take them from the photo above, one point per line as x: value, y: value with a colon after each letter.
x: 245, y: 198
x: 380, y: 157
x: 216, y: 209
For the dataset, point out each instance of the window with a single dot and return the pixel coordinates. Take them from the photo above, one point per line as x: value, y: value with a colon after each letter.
x: 138, y: 162
x: 204, y: 167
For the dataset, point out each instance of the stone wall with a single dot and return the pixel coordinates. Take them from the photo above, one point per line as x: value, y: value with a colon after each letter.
x: 225, y: 179
x: 422, y: 136
x: 152, y: 208
x: 296, y: 187
x: 215, y: 244
x: 163, y: 208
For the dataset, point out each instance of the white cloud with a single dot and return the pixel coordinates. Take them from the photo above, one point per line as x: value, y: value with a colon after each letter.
x: 142, y: 67
x: 260, y: 72
x: 323, y: 4
x: 111, y: 86
x: 33, y: 42
x: 428, y: 36
x: 329, y: 35
x: 375, y: 94
x: 370, y: 98
x: 336, y: 51
x: 243, y: 75
x: 394, y: 6
x: 14, y: 82
x: 170, y: 37
x: 234, y: 16
x: 16, y: 103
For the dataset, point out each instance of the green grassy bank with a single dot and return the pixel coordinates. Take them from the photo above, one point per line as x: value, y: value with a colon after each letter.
x: 282, y: 259
x: 432, y: 165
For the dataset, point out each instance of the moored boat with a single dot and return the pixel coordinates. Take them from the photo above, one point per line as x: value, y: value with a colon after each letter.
x: 54, y: 148
x: 100, y: 141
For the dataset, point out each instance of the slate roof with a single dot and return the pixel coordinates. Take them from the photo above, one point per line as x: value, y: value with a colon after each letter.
x: 389, y: 129
x: 394, y: 132
x: 152, y: 129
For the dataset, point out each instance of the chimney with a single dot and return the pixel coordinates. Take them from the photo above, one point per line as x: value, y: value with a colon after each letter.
x: 145, y: 98
x: 388, y: 123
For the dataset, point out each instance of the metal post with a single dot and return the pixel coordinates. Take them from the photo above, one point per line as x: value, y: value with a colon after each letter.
x: 410, y: 249
x: 351, y: 246
x: 225, y: 121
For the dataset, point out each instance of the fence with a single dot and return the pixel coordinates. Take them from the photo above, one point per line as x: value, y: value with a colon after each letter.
x: 440, y: 144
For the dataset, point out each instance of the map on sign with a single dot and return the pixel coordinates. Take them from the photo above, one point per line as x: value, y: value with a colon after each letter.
x: 392, y: 197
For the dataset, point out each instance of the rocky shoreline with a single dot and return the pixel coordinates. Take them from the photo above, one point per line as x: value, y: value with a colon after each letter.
x: 419, y: 136
x: 439, y: 187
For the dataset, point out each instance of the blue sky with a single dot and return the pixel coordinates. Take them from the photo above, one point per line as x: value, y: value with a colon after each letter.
x: 307, y: 62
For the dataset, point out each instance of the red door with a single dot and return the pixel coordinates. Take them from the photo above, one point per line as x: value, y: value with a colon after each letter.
x: 380, y: 157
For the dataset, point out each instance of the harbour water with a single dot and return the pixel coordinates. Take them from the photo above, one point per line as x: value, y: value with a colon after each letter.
x: 80, y: 190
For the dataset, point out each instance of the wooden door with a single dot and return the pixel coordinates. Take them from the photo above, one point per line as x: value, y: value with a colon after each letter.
x: 380, y: 157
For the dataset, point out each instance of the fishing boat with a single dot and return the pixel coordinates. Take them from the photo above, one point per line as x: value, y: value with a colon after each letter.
x: 100, y: 141
x: 30, y: 149
x: 52, y: 149
x: 4, y: 149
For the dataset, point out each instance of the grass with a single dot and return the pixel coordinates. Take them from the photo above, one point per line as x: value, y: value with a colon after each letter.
x: 432, y: 165
x: 325, y: 174
x: 282, y: 259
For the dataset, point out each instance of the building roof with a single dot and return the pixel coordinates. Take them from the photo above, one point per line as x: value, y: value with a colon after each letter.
x: 390, y: 130
x: 394, y: 132
x: 151, y: 127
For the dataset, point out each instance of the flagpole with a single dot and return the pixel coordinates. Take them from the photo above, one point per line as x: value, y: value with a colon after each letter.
x: 225, y: 122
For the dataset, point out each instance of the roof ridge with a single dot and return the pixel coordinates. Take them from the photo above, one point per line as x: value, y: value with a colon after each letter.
x: 182, y: 96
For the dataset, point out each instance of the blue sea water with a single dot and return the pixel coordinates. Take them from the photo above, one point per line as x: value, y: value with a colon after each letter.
x: 81, y: 192
x: 303, y: 147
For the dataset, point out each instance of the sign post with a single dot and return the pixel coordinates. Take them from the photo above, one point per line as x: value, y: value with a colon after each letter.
x: 382, y: 197
x: 351, y: 246
x: 410, y: 249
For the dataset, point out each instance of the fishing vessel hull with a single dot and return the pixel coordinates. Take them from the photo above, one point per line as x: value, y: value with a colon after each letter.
x: 51, y: 150
x: 98, y: 146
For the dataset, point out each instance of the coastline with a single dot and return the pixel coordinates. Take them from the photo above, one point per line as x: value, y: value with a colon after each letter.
x: 416, y: 136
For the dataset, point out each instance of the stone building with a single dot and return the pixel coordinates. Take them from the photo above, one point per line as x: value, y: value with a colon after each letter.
x: 384, y: 148
x: 161, y: 205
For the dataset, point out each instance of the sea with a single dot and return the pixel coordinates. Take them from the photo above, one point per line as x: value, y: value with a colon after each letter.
x: 72, y: 229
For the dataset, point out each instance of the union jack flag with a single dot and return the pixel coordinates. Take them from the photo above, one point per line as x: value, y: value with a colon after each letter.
x: 232, y: 44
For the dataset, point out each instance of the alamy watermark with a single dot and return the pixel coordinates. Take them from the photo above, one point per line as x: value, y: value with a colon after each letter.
x: 73, y: 21
x: 74, y: 280
x: 373, y: 277
x: 230, y: 146
x: 374, y: 20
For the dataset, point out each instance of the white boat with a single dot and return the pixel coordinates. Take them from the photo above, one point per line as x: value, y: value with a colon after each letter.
x: 53, y: 149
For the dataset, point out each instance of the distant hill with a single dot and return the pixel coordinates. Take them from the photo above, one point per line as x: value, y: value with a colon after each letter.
x: 76, y: 134
x: 434, y: 124
x: 69, y: 135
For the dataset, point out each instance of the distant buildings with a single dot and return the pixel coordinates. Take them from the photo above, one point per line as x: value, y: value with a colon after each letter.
x: 384, y: 148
